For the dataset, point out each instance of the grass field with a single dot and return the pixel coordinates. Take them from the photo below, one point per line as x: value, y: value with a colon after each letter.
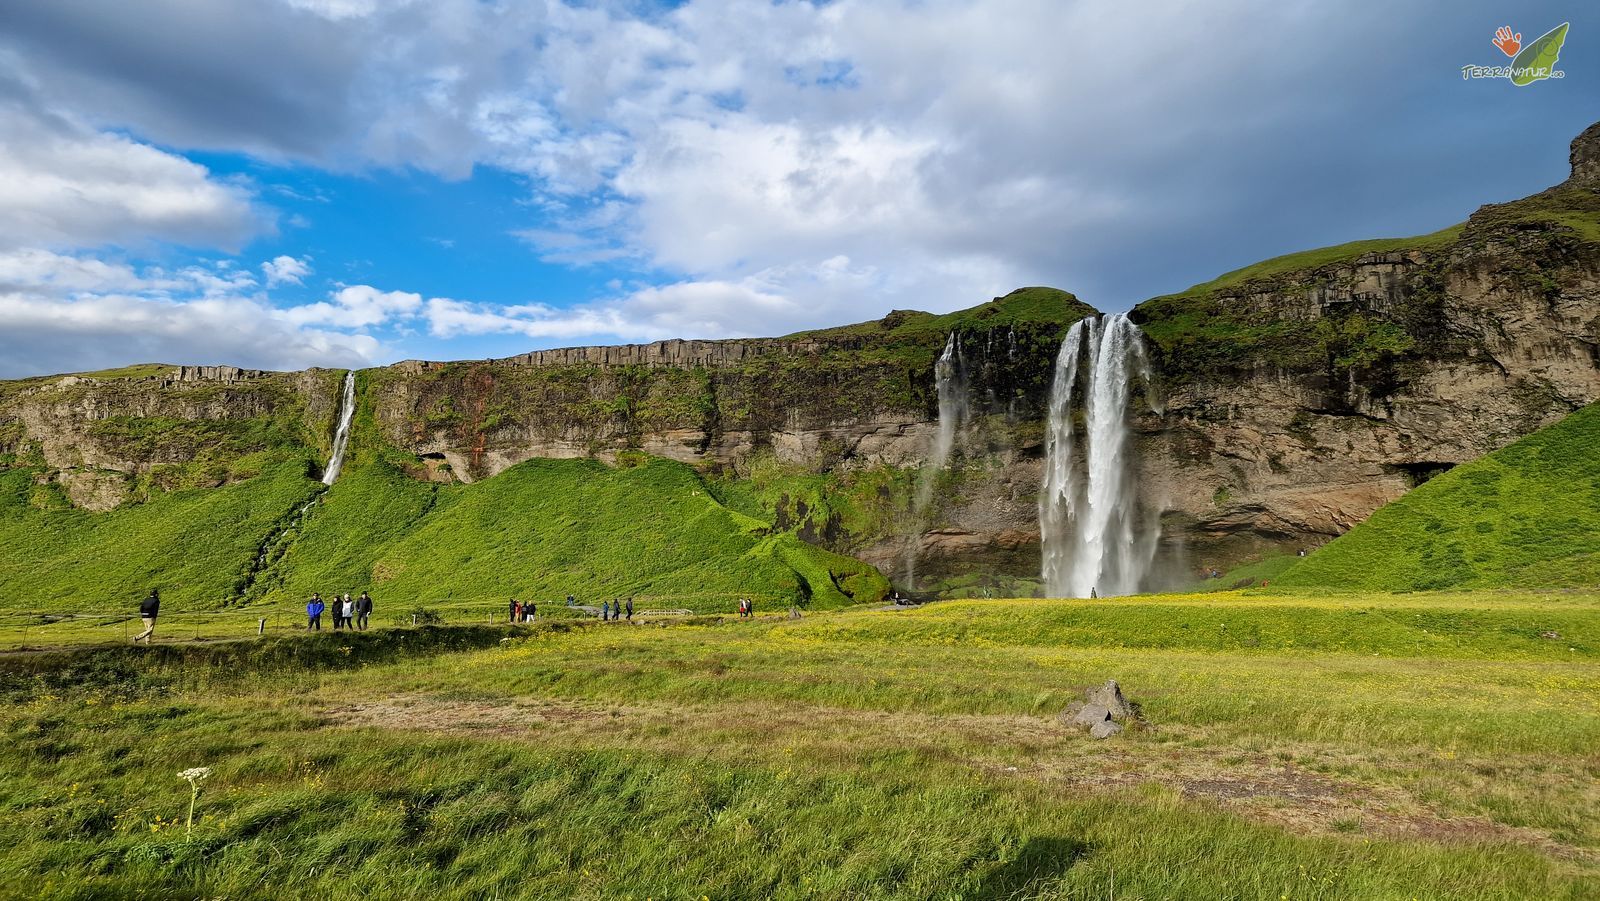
x: 1349, y: 746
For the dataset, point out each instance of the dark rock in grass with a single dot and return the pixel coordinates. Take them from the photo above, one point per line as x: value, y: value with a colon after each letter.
x: 1104, y: 729
x: 1110, y: 697
x: 1091, y: 715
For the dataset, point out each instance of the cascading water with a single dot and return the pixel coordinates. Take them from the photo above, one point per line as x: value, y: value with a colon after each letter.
x: 341, y: 438
x: 950, y: 384
x: 1096, y: 538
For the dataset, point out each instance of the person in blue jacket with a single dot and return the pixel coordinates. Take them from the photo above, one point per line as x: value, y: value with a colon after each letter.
x: 314, y: 612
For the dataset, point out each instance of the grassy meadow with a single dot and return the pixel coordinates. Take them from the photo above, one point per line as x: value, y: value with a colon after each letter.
x: 1293, y: 746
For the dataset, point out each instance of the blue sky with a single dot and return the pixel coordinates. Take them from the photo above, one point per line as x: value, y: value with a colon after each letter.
x: 284, y: 183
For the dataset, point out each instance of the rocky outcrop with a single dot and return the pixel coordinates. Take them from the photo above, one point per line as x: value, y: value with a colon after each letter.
x: 1384, y: 370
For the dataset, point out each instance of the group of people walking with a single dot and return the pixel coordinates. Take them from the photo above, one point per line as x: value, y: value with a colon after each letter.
x: 613, y: 609
x: 347, y: 613
x: 523, y: 613
x: 747, y: 608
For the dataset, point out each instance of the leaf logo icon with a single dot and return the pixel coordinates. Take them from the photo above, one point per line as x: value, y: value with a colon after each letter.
x: 1538, y: 59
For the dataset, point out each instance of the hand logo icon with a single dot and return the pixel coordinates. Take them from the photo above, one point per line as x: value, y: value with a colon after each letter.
x: 1508, y: 43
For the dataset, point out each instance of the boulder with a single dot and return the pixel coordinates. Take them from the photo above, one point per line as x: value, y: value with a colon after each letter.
x: 1110, y: 697
x: 1091, y: 715
x: 1104, y: 729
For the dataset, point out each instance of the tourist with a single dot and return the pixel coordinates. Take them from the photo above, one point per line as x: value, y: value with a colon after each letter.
x: 570, y: 600
x: 363, y: 610
x: 336, y: 608
x: 513, y: 607
x: 148, y: 608
x: 530, y: 612
x: 605, y: 611
x: 314, y: 612
x: 630, y: 610
x: 349, y: 610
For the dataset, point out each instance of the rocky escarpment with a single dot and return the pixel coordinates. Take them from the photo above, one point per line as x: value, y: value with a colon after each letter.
x: 1298, y: 396
x: 1301, y: 400
x: 105, y: 440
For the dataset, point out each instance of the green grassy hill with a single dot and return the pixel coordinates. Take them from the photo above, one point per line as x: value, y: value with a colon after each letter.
x: 549, y: 528
x: 1524, y: 516
x: 541, y: 530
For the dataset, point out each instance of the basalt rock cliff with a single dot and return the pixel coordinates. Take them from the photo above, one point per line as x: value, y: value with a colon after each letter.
x: 1297, y: 396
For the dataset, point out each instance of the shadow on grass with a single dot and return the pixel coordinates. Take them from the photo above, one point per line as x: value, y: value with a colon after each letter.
x: 1040, y: 862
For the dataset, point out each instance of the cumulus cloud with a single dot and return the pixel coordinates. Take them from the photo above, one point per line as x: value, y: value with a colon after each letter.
x: 285, y: 270
x: 63, y: 184
x: 357, y: 306
x: 43, y: 335
x: 65, y: 312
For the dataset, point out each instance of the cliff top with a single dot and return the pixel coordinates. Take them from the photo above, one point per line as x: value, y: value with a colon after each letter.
x: 1585, y: 158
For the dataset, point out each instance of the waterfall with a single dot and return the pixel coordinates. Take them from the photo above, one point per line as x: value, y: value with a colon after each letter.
x: 341, y: 438
x: 1096, y: 538
x: 950, y: 384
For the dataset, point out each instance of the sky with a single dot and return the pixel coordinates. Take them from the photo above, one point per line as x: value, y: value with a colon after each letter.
x: 290, y: 183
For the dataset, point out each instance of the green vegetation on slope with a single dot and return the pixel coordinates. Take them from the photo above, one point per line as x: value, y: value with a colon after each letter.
x: 548, y: 528
x: 1524, y: 516
x: 195, y: 544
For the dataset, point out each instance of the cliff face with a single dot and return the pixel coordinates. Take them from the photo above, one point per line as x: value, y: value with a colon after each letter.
x: 1299, y: 401
x: 1299, y: 395
x: 110, y: 439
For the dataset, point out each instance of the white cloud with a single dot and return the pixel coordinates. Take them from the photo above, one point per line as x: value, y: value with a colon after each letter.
x: 62, y: 312
x: 43, y: 334
x: 357, y: 306
x: 285, y: 270
x: 336, y: 10
x: 65, y: 185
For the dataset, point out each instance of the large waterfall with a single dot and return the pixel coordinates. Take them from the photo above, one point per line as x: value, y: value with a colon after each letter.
x: 341, y: 438
x: 1097, y: 539
x: 950, y: 384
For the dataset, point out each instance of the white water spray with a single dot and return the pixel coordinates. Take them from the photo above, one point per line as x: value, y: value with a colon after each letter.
x: 950, y: 384
x: 1096, y: 539
x: 341, y: 438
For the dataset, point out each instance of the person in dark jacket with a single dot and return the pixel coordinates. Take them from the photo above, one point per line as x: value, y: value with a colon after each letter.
x: 531, y: 611
x: 630, y: 610
x: 363, y: 610
x: 148, y: 608
x: 605, y: 611
x: 513, y: 607
x: 314, y: 610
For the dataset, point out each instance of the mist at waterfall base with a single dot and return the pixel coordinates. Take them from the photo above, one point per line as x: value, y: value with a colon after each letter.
x: 950, y: 385
x: 1098, y: 538
x: 341, y: 437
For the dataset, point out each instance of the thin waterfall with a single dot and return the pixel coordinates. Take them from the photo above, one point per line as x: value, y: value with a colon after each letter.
x: 950, y: 384
x: 1097, y: 540
x: 341, y: 438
